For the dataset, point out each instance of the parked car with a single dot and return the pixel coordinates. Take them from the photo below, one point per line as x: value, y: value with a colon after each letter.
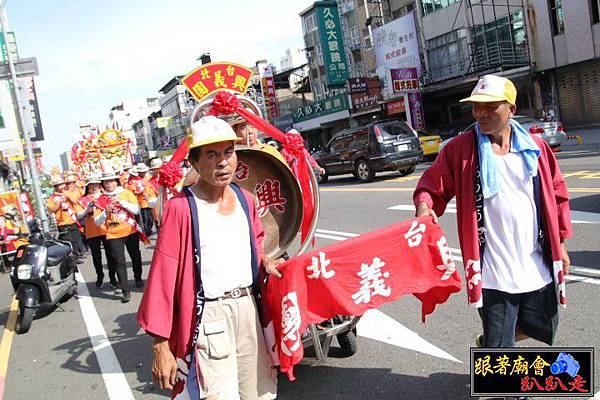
x: 379, y: 146
x: 430, y: 144
x: 552, y: 132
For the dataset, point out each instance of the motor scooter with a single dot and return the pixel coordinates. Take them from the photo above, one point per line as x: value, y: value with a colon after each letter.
x: 42, y: 275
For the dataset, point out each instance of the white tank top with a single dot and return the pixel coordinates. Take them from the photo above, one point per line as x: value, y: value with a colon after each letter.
x: 225, y: 254
x: 513, y: 261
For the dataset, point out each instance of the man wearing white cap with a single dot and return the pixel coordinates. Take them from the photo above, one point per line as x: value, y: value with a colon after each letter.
x: 513, y: 217
x: 199, y: 303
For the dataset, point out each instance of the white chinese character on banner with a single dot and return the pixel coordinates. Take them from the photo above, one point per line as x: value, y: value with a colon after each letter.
x: 329, y: 24
x: 318, y: 107
x: 331, y: 35
x: 372, y: 282
x: 448, y: 265
x: 337, y: 103
x: 336, y: 57
x: 415, y: 234
x: 319, y: 266
x: 290, y: 324
x: 327, y: 13
x: 333, y: 46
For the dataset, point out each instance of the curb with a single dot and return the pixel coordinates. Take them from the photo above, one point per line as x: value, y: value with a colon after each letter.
x: 577, y: 137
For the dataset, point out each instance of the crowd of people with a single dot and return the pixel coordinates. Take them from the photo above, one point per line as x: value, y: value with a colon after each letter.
x: 199, y: 304
x: 114, y: 211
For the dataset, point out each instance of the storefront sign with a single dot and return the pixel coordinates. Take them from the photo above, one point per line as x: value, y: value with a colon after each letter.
x: 404, y: 79
x: 37, y: 134
x: 395, y: 107
x: 320, y: 108
x: 270, y: 98
x: 365, y: 93
x: 396, y: 46
x: 361, y: 102
x: 416, y: 110
x: 332, y: 43
x: 357, y: 85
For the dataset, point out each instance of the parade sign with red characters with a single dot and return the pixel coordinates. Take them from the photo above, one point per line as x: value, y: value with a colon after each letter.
x: 213, y: 77
x: 539, y: 372
x: 358, y: 274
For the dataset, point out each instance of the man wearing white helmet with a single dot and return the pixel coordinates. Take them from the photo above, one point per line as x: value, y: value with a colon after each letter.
x: 199, y: 303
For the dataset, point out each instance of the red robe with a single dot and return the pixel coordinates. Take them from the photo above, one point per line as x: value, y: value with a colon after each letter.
x: 452, y: 175
x: 168, y: 307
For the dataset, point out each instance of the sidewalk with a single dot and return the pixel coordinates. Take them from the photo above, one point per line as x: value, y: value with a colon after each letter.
x: 589, y: 136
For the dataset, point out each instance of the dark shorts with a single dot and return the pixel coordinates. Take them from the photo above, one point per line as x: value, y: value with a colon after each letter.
x: 535, y: 313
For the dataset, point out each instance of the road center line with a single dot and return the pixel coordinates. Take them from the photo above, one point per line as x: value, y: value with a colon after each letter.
x: 114, y: 379
x: 5, y: 345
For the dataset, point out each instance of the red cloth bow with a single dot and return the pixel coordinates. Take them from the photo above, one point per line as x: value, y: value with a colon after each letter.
x: 170, y: 173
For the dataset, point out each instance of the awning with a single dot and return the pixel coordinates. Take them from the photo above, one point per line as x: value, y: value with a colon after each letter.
x: 316, y: 122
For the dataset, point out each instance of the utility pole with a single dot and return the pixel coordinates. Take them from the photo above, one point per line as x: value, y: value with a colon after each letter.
x: 24, y: 124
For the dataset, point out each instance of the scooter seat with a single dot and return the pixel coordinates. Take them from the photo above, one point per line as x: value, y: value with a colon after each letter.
x: 57, y: 254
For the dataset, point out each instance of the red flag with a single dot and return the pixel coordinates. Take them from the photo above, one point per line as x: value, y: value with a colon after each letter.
x: 358, y: 274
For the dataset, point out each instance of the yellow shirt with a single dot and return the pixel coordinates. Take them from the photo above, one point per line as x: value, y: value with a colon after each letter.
x: 63, y: 210
x: 116, y: 225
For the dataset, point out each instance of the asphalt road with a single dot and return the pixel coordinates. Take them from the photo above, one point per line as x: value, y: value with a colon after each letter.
x: 66, y: 355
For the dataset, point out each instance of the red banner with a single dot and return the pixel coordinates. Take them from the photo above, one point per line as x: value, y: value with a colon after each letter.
x: 269, y: 94
x: 213, y: 77
x: 358, y: 274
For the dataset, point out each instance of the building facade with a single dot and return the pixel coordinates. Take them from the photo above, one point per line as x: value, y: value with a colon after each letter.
x: 566, y: 44
x: 176, y: 104
x: 462, y: 40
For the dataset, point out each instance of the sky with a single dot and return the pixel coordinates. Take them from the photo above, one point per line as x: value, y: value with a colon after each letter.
x: 93, y: 54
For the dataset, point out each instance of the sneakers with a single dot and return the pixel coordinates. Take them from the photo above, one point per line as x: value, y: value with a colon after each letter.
x: 114, y: 284
x: 126, y: 296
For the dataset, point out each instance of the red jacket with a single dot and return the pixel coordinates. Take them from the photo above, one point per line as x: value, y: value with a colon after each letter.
x: 168, y: 307
x: 452, y: 174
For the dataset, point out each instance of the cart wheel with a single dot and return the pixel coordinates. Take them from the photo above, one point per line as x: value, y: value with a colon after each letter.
x: 347, y: 341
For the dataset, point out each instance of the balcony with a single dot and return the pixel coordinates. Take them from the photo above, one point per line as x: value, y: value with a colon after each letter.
x: 498, y: 54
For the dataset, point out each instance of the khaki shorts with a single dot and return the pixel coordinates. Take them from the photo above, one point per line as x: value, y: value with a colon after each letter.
x: 232, y: 358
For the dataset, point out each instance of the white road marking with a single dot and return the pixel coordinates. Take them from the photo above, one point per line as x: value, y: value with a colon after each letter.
x: 323, y: 236
x: 378, y: 326
x: 337, y: 233
x: 583, y: 270
x: 114, y: 379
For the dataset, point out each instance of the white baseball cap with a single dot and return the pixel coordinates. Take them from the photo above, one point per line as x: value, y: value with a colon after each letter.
x: 210, y: 129
x: 492, y: 88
